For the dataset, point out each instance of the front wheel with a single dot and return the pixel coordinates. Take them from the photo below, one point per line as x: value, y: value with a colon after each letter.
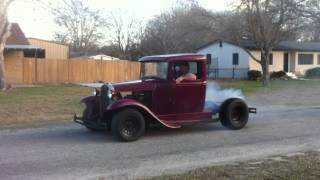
x: 234, y: 114
x: 128, y: 125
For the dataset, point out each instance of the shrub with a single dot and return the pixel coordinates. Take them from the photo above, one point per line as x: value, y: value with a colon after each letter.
x: 278, y: 75
x: 313, y: 73
x: 254, y: 75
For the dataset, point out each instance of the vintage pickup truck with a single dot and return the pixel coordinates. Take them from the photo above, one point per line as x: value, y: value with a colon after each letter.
x: 127, y: 108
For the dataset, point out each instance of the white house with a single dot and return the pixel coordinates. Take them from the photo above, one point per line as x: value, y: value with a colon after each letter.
x: 103, y: 57
x: 231, y: 60
x: 227, y: 59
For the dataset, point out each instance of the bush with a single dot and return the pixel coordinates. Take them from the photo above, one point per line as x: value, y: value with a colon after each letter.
x: 254, y: 75
x: 278, y: 75
x: 313, y: 73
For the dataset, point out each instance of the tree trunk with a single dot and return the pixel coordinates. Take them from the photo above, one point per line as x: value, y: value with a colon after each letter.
x: 5, y: 28
x: 2, y: 69
x: 265, y: 67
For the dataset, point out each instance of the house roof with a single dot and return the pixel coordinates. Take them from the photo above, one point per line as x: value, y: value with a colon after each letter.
x: 173, y: 57
x: 282, y: 46
x: 17, y: 41
x: 17, y: 36
x: 48, y: 41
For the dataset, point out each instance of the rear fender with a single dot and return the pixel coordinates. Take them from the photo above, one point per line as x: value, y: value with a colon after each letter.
x: 135, y: 104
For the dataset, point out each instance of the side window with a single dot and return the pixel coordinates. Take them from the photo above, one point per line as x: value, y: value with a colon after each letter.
x: 235, y: 59
x: 209, y: 57
x: 305, y: 59
x: 188, y: 71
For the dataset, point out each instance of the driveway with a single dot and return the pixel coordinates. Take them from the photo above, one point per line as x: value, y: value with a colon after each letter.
x: 72, y: 152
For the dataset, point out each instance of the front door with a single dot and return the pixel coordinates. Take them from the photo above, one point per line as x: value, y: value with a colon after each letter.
x: 286, y: 62
x: 189, y: 97
x: 189, y: 94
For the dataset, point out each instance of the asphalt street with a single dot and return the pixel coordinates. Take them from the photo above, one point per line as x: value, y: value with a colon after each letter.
x: 70, y: 151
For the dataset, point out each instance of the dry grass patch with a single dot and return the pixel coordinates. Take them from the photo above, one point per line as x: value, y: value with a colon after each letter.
x: 40, y: 104
x: 300, y: 166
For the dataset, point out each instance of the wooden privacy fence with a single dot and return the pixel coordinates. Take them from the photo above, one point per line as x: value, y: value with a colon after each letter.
x: 76, y: 71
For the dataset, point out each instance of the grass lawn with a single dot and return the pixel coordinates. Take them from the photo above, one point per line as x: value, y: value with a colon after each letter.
x: 250, y: 87
x: 40, y: 104
x: 304, y: 166
x: 247, y: 87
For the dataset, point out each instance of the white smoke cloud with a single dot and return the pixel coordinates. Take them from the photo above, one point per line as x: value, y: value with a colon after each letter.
x: 215, y: 96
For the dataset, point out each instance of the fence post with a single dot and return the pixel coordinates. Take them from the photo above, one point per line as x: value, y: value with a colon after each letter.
x: 233, y: 72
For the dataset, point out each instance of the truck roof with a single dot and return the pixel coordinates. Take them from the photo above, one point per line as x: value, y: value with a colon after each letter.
x: 174, y: 57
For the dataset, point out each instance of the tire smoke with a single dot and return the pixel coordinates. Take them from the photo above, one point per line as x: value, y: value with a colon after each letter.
x: 215, y: 96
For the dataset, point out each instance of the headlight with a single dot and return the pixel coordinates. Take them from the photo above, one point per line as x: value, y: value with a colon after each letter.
x: 95, y: 92
x: 110, y: 90
x: 110, y: 93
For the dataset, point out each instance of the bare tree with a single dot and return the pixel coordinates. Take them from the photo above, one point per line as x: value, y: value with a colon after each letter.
x: 82, y: 27
x: 267, y: 23
x: 5, y: 27
x: 311, y: 32
x: 125, y: 35
x: 183, y: 28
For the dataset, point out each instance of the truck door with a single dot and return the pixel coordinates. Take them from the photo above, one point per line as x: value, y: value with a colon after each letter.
x: 189, y: 94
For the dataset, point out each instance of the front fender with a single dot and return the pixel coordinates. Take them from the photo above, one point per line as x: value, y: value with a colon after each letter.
x: 133, y: 103
x: 89, y: 100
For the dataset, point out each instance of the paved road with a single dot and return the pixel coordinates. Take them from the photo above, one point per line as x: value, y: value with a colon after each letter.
x: 72, y: 152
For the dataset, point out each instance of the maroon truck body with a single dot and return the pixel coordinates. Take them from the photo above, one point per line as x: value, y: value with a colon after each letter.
x: 158, y: 99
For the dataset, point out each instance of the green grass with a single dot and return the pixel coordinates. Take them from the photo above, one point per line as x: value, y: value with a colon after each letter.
x: 40, y: 104
x: 297, y: 167
x: 247, y: 87
x: 251, y: 87
x: 299, y: 84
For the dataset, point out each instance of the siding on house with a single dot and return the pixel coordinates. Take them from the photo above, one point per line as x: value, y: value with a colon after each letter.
x: 222, y: 59
x: 14, y: 66
x: 53, y: 50
x: 278, y: 60
x: 223, y: 55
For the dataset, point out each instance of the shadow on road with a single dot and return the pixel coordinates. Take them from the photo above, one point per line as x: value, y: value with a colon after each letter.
x: 165, y: 132
x: 71, y: 134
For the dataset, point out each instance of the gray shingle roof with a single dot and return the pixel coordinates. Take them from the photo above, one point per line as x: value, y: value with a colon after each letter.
x: 282, y: 46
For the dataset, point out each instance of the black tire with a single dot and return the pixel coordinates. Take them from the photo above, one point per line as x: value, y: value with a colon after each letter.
x: 128, y: 125
x: 234, y: 114
x: 85, y: 116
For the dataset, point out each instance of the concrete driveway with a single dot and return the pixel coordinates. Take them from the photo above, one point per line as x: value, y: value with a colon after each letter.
x: 72, y: 152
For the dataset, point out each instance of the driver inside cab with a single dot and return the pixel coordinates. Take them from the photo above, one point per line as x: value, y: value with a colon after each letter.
x: 184, y: 74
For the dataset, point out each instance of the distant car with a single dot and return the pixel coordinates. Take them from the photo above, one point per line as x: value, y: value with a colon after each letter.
x: 128, y: 108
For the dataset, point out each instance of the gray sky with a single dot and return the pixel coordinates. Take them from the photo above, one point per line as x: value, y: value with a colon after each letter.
x: 36, y: 21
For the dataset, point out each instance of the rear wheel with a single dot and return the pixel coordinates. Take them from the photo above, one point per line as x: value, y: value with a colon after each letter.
x: 128, y: 125
x: 234, y: 114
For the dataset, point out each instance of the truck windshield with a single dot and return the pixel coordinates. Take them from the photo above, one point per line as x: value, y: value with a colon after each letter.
x: 154, y: 70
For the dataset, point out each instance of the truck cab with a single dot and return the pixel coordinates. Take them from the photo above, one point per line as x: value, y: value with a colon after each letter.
x: 171, y: 91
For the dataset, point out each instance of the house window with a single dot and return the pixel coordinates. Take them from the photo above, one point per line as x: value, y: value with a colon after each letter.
x: 270, y: 58
x: 209, y: 58
x: 235, y: 59
x: 305, y: 59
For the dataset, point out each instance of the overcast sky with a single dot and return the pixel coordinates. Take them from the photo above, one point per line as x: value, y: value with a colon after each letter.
x: 36, y: 20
